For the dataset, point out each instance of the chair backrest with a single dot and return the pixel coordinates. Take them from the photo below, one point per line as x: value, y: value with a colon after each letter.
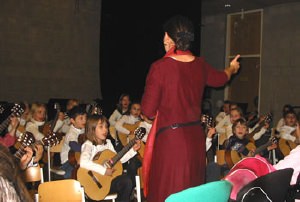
x: 34, y: 174
x: 60, y: 190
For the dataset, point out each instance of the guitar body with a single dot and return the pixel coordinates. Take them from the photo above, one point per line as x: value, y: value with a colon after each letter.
x: 286, y: 146
x: 232, y: 156
x: 91, y: 188
x: 123, y: 137
x: 142, y: 149
x: 131, y: 127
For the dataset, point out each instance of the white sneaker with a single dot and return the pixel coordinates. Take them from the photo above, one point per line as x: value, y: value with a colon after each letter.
x: 58, y: 171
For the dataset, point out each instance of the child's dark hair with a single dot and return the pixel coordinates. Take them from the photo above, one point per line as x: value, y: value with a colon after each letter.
x: 289, y: 112
x: 119, y: 105
x: 240, y: 121
x: 76, y: 111
x: 91, y: 124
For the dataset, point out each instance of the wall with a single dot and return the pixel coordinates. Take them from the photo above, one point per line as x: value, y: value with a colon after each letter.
x: 280, y: 81
x: 49, y: 49
x: 213, y: 29
x: 280, y: 54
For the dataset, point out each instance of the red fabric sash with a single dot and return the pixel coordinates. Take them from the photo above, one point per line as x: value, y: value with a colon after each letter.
x: 148, y: 155
x: 172, y: 52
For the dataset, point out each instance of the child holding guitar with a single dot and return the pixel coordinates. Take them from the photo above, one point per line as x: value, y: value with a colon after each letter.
x: 38, y: 118
x: 289, y: 133
x: 125, y: 128
x: 239, y: 146
x: 96, y: 134
x: 71, y: 145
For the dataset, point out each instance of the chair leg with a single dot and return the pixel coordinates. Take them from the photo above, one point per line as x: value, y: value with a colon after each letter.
x: 138, y: 188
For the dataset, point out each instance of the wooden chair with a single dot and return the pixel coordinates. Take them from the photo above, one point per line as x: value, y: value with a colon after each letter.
x: 111, y: 197
x: 33, y: 176
x: 138, y: 194
x: 60, y: 190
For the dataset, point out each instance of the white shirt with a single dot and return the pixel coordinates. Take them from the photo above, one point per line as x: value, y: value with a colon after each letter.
x: 114, y: 117
x: 129, y: 119
x: 72, y: 135
x: 220, y: 116
x: 286, y: 133
x: 33, y: 127
x: 65, y: 126
x: 222, y: 125
x: 257, y: 135
x: 88, y: 151
x: 291, y: 161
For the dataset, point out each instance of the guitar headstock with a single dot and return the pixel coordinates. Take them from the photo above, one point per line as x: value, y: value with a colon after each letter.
x: 57, y: 106
x: 207, y: 120
x: 1, y: 109
x: 51, y: 140
x: 269, y: 118
x: 140, y: 132
x: 95, y: 109
x: 17, y: 110
x: 273, y: 140
x: 26, y: 139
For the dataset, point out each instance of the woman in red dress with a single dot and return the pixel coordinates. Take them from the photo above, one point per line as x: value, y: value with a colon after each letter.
x: 174, y: 89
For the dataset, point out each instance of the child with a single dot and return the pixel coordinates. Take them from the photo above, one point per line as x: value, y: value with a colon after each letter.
x: 66, y: 122
x: 96, y: 133
x: 38, y: 117
x: 289, y: 133
x: 132, y: 121
x: 239, y: 146
x: 78, y: 120
x: 125, y: 128
x: 122, y: 109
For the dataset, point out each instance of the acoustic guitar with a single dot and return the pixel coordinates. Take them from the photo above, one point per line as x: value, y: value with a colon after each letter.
x: 124, y: 138
x: 27, y: 140
x: 17, y: 110
x: 97, y: 186
x: 286, y: 146
x: 267, y: 120
x: 233, y: 156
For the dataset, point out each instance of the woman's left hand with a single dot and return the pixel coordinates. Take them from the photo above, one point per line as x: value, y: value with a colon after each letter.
x: 235, y: 64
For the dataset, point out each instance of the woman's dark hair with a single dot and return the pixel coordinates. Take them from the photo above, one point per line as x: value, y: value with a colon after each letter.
x: 181, y: 30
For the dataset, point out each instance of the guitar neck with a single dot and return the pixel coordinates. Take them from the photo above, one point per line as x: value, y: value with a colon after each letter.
x: 21, y: 150
x: 121, y: 153
x: 263, y: 147
x: 256, y: 130
x: 5, y: 124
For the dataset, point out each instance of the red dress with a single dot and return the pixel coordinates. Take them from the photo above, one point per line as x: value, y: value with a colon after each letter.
x: 175, y: 90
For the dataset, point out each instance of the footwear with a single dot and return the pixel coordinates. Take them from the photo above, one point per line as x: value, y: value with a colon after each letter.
x: 58, y: 171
